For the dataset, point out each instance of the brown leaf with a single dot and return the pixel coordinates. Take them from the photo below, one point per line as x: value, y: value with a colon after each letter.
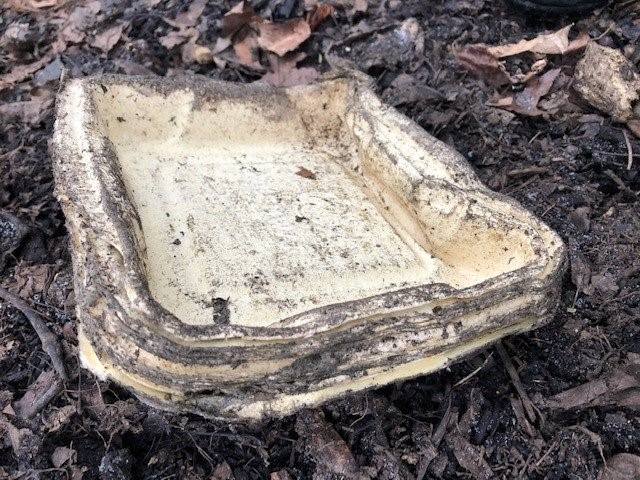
x: 634, y: 126
x: 280, y: 475
x: 526, y: 101
x: 470, y: 457
x: 283, y: 72
x: 108, y: 39
x: 284, y: 37
x: 58, y: 417
x: 29, y: 111
x: 304, y: 173
x: 324, y: 445
x: 580, y: 271
x: 21, y: 72
x: 247, y: 52
x: 318, y: 14
x: 237, y: 18
x: 190, y: 17
x: 551, y: 43
x: 479, y: 61
x: 62, y: 455
x: 222, y: 472
x: 623, y: 466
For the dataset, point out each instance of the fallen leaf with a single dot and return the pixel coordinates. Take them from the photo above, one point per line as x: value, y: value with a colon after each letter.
x: 359, y: 6
x: 284, y: 37
x: 470, y: 457
x: 280, y: 475
x: 526, y: 101
x: 55, y: 419
x: 222, y: 472
x: 623, y: 466
x: 319, y: 13
x: 108, y: 39
x: 62, y: 455
x: 634, y: 126
x: 580, y: 271
x: 21, y: 72
x: 235, y: 19
x: 284, y: 73
x: 247, y: 52
x: 304, y: 173
x: 479, y: 61
x: 29, y: 111
x: 190, y: 17
x: 33, y: 5
x: 551, y: 43
x: 324, y: 445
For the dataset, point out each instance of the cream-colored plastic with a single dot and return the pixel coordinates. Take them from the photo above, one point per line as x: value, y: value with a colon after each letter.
x: 242, y: 251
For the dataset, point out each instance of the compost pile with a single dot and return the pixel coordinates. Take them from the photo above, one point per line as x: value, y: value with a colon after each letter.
x: 528, y: 101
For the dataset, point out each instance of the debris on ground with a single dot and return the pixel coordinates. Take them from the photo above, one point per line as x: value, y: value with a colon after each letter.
x: 609, y: 82
x: 569, y: 166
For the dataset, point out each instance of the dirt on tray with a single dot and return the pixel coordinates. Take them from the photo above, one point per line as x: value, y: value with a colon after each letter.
x: 560, y: 402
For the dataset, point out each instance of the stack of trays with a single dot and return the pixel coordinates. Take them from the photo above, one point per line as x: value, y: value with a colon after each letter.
x: 242, y: 251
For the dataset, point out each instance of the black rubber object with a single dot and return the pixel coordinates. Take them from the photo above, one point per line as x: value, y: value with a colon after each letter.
x: 558, y: 7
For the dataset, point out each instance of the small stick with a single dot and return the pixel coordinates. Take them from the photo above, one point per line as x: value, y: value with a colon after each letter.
x: 49, y: 340
x: 515, y: 379
x: 52, y: 392
x: 619, y: 182
x: 629, y: 149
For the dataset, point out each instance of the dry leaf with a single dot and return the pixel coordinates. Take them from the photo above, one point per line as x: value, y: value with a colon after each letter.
x: 304, y: 173
x: 236, y: 19
x: 623, y: 466
x: 552, y: 43
x: 33, y: 5
x: 21, y: 72
x: 634, y: 126
x: 324, y: 445
x: 318, y: 14
x: 192, y: 15
x: 25, y: 112
x: 470, y: 457
x: 291, y: 77
x: 247, y: 52
x: 359, y: 6
x: 526, y: 101
x: 55, y: 419
x: 479, y: 61
x: 284, y: 73
x: 281, y: 38
x: 62, y: 455
x: 108, y: 39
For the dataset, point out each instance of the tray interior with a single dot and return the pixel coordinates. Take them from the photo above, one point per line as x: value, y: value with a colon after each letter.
x: 256, y: 211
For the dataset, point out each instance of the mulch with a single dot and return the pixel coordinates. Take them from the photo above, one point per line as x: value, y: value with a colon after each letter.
x: 556, y: 403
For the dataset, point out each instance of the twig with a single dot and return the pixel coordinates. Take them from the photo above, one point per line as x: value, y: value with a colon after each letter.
x: 629, y: 149
x: 619, y: 182
x: 47, y: 338
x: 474, y: 372
x: 515, y: 379
x: 42, y: 401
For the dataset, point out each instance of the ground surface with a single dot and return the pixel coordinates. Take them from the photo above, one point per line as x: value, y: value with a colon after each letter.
x: 500, y: 414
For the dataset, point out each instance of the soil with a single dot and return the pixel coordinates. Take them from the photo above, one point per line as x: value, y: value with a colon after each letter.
x: 512, y: 411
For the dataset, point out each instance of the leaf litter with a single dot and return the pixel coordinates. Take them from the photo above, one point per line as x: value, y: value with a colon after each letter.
x: 411, y: 430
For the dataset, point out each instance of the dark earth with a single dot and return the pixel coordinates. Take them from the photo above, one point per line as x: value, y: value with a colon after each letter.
x: 512, y: 411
